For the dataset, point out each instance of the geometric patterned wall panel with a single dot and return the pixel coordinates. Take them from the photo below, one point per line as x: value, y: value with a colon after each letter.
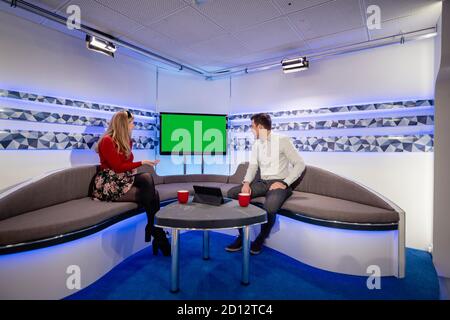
x: 351, y: 108
x: 69, y: 102
x: 61, y: 118
x: 343, y: 124
x: 237, y: 124
x: 35, y: 140
x: 407, y: 143
x: 410, y: 140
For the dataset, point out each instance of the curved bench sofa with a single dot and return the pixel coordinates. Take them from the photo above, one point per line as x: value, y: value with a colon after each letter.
x: 329, y: 222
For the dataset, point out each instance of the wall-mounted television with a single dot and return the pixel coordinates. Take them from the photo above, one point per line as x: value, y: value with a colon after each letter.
x: 192, y: 134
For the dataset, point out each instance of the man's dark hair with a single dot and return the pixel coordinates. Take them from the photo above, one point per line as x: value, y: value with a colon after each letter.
x: 262, y: 119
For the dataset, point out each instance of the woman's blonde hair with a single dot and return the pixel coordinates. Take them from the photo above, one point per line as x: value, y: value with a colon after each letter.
x: 118, y: 131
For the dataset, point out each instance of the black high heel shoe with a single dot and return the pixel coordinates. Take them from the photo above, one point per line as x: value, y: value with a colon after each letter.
x: 160, y: 242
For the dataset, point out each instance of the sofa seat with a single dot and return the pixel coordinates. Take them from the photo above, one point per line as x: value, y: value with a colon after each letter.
x: 169, y: 190
x: 332, y: 209
x: 59, y: 219
x: 58, y: 204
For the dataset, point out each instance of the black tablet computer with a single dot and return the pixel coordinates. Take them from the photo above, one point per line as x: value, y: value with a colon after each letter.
x: 209, y: 195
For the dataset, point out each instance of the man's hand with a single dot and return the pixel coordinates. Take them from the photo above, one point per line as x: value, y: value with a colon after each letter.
x: 246, y: 188
x: 277, y: 185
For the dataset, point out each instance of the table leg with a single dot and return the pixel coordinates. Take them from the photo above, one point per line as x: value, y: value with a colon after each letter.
x: 175, y: 272
x: 205, y: 245
x: 245, y: 256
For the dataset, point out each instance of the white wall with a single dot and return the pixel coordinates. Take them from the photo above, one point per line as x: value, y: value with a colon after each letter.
x: 388, y: 73
x: 385, y: 74
x: 37, y: 59
x: 441, y: 234
x: 182, y: 92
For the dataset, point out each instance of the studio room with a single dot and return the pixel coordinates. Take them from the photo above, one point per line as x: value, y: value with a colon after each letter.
x: 224, y: 150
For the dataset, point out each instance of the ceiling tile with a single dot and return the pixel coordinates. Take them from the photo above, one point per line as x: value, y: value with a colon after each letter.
x: 237, y: 14
x: 220, y: 48
x: 338, y: 39
x: 422, y: 19
x: 329, y: 18
x: 144, y: 11
x: 103, y: 18
x: 290, y: 6
x: 391, y: 9
x: 153, y: 41
x: 268, y: 35
x: 187, y: 27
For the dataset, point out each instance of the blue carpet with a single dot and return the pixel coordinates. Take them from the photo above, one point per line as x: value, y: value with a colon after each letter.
x: 273, y: 275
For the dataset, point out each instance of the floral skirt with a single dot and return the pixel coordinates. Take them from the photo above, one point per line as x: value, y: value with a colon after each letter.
x: 110, y: 186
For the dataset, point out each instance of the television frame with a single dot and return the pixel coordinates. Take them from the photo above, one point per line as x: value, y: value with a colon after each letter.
x: 168, y: 153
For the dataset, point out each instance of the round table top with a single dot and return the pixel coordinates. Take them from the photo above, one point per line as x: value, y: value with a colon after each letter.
x: 202, y: 216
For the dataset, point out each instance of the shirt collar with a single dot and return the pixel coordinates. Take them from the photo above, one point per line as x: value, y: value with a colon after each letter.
x: 269, y: 138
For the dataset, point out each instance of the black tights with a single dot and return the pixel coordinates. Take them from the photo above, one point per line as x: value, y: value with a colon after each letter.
x: 144, y: 193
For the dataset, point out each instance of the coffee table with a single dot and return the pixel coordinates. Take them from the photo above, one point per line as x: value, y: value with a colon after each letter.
x: 197, y: 216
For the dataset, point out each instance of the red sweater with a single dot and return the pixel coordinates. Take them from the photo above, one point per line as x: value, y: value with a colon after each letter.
x: 111, y: 158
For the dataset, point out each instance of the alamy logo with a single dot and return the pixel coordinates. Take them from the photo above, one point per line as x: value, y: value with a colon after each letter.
x: 74, y: 279
x: 374, y: 280
x: 373, y: 17
x: 74, y: 18
x: 183, y: 139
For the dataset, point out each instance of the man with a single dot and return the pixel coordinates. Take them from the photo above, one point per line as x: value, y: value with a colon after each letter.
x: 271, y: 154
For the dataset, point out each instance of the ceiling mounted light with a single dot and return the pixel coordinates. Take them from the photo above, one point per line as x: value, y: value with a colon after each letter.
x: 295, y: 65
x: 100, y: 45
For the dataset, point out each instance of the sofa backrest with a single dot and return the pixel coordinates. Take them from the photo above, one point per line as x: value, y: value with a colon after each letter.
x: 240, y: 172
x: 47, y: 190
x: 196, y: 178
x: 323, y: 182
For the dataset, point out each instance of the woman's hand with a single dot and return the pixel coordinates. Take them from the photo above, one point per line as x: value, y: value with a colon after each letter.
x: 150, y: 163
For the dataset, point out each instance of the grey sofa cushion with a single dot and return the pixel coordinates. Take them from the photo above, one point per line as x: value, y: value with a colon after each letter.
x: 59, y: 202
x: 58, y: 187
x: 334, y: 209
x: 323, y: 182
x: 59, y: 219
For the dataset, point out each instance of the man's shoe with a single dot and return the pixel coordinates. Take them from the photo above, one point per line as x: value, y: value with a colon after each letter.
x: 256, y: 247
x: 235, y: 246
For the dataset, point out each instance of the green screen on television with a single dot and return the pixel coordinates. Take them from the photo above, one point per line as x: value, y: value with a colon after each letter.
x: 183, y: 133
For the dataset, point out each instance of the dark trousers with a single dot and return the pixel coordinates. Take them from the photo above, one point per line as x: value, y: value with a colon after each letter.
x: 273, y: 202
x: 144, y: 193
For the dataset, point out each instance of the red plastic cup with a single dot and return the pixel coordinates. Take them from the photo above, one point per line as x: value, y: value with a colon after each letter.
x: 244, y: 199
x: 183, y: 196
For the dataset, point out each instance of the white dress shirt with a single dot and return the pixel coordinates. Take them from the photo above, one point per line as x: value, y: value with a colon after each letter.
x: 273, y: 155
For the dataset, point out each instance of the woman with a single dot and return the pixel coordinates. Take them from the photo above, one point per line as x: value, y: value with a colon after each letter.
x: 118, y: 179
